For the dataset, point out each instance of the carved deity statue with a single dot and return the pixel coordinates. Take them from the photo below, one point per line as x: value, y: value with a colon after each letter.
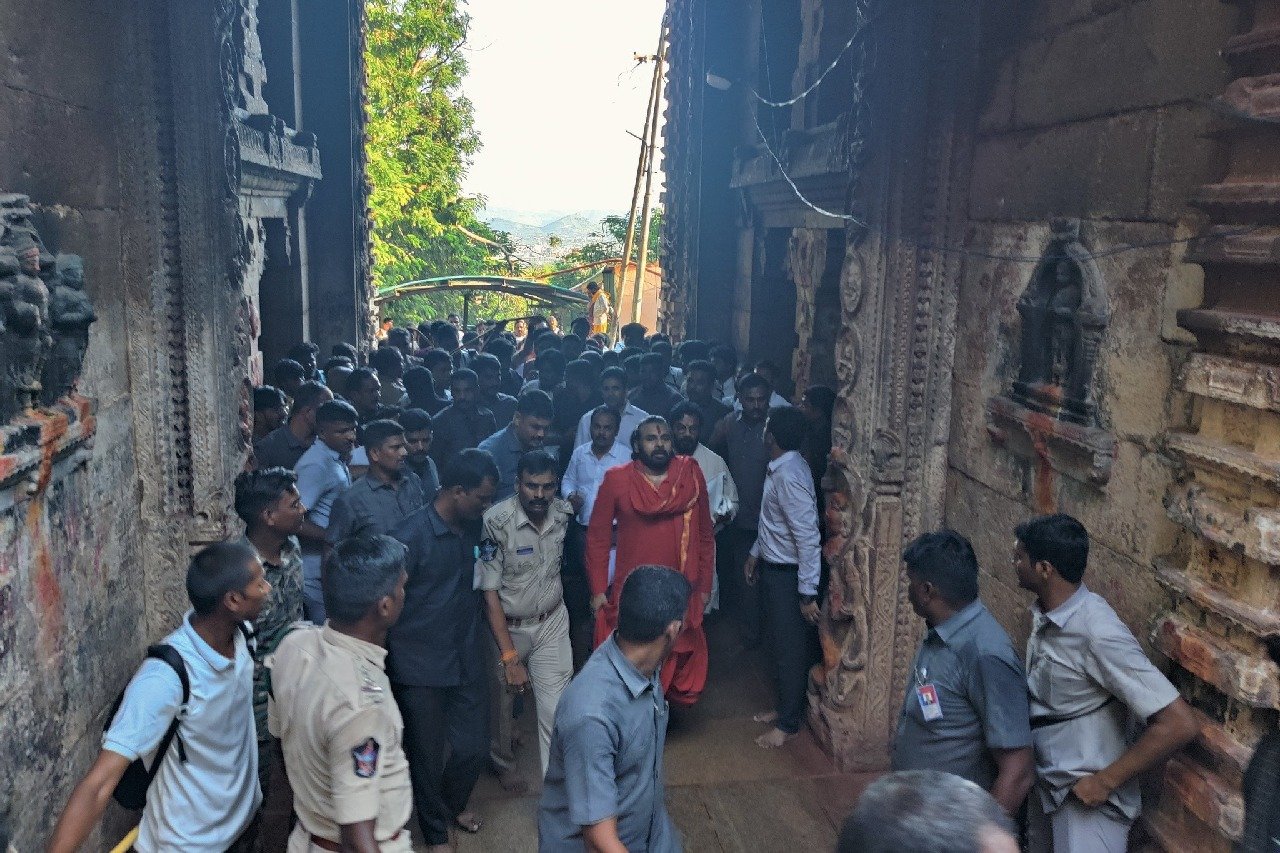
x: 1063, y: 306
x: 29, y: 277
x: 70, y: 315
x: 843, y: 629
x: 1064, y: 313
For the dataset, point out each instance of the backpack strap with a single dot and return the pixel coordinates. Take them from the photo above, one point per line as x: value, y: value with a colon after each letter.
x: 250, y: 636
x: 169, y: 655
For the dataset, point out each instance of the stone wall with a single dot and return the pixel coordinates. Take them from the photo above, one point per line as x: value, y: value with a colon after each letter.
x: 71, y: 608
x: 1095, y: 112
x: 138, y: 131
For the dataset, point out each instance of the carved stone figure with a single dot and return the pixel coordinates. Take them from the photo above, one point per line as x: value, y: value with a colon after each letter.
x: 70, y: 315
x: 1064, y: 313
x: 843, y: 630
x: 30, y: 276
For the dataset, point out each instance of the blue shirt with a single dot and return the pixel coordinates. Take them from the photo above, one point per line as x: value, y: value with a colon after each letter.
x: 322, y: 476
x: 203, y: 804
x: 970, y: 661
x: 606, y: 759
x: 505, y: 448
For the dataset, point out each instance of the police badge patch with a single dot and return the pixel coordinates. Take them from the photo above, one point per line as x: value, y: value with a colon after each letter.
x: 366, y: 759
x: 488, y: 550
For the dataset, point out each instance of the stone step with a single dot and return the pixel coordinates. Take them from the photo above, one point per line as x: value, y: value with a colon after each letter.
x: 1250, y: 679
x: 1241, y: 383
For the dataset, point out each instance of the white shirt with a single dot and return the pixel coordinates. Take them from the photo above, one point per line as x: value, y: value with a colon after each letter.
x: 586, y: 472
x: 631, y: 418
x: 722, y: 492
x: 788, y: 531
x: 202, y: 804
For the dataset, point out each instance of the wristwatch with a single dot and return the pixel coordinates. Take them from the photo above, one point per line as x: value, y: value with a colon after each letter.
x: 808, y: 599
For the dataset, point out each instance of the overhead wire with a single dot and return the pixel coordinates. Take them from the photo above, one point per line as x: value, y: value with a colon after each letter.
x: 930, y: 247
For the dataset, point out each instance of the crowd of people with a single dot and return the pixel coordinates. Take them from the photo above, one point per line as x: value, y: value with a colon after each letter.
x: 467, y: 523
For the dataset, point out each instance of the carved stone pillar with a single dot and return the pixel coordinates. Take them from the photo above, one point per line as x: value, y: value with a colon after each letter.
x: 1221, y: 575
x: 806, y: 263
x: 893, y: 363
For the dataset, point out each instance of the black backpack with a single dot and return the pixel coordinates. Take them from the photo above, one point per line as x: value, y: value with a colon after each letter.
x: 131, y: 790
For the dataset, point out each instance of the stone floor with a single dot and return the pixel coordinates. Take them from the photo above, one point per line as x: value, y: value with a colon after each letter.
x: 725, y: 793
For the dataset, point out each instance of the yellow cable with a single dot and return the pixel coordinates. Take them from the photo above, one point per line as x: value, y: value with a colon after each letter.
x: 126, y: 842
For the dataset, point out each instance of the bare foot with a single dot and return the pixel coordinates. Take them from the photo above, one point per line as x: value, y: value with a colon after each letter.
x: 773, y: 739
x: 512, y: 781
x: 469, y: 821
x: 765, y: 717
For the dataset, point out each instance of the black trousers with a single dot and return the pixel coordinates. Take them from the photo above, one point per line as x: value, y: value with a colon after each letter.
x: 741, y: 601
x: 577, y: 593
x: 434, y: 716
x: 788, y: 643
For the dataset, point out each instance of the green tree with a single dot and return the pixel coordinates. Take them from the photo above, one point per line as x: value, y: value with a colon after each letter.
x: 420, y: 139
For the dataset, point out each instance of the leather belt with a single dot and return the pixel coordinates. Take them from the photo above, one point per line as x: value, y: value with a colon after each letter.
x: 532, y: 620
x: 1053, y: 720
x: 326, y: 844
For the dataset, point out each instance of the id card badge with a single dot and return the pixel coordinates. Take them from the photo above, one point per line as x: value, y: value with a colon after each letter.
x: 930, y: 707
x: 476, y: 571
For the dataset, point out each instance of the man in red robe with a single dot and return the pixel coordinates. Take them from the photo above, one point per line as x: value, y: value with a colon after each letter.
x: 659, y: 504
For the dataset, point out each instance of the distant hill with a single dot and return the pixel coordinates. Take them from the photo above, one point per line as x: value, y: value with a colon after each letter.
x: 533, y: 230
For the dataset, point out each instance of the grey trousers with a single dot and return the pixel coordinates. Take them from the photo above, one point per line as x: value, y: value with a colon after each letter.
x: 547, y: 654
x: 1074, y: 828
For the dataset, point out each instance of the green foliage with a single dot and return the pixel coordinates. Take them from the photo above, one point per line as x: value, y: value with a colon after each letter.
x: 420, y: 140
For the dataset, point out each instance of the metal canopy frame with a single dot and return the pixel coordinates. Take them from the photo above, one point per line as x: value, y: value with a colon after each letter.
x: 534, y: 291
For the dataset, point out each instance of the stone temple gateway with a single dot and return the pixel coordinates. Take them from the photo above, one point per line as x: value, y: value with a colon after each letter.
x: 1033, y: 247
x: 204, y: 162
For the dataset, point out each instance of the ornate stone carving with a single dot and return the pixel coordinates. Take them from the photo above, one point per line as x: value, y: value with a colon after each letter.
x: 1064, y: 313
x: 30, y: 277
x: 1049, y: 416
x: 70, y: 315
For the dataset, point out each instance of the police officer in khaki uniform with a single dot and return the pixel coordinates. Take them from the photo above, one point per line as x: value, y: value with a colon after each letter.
x: 332, y: 708
x: 519, y: 570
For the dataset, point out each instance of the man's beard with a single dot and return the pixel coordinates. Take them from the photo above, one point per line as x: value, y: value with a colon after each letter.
x: 659, y: 460
x: 686, y: 446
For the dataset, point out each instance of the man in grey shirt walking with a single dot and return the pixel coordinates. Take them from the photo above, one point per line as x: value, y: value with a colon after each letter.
x: 604, y: 786
x: 965, y: 710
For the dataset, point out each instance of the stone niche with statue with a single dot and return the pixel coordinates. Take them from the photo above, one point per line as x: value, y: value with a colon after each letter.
x: 1049, y: 415
x: 45, y: 315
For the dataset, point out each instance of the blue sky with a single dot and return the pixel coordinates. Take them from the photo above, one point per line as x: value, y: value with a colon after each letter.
x: 555, y: 89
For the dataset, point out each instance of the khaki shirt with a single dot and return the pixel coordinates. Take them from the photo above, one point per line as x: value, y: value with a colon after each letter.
x: 341, y: 732
x: 1087, y: 676
x: 520, y: 562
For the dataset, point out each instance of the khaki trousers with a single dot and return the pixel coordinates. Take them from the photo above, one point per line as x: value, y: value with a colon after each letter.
x: 547, y: 654
x: 1074, y: 828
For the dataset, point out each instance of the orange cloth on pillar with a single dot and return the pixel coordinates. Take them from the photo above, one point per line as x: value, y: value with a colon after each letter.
x: 667, y: 525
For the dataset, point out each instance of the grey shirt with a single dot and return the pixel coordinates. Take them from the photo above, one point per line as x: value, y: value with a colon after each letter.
x: 607, y: 759
x: 371, y: 506
x: 1086, y: 670
x: 279, y: 448
x: 971, y: 663
x: 744, y: 452
x: 506, y: 450
x: 429, y: 475
x: 322, y: 476
x: 503, y: 407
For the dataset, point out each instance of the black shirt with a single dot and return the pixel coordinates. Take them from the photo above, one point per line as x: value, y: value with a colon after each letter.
x: 437, y: 640
x: 279, y: 448
x: 454, y: 430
